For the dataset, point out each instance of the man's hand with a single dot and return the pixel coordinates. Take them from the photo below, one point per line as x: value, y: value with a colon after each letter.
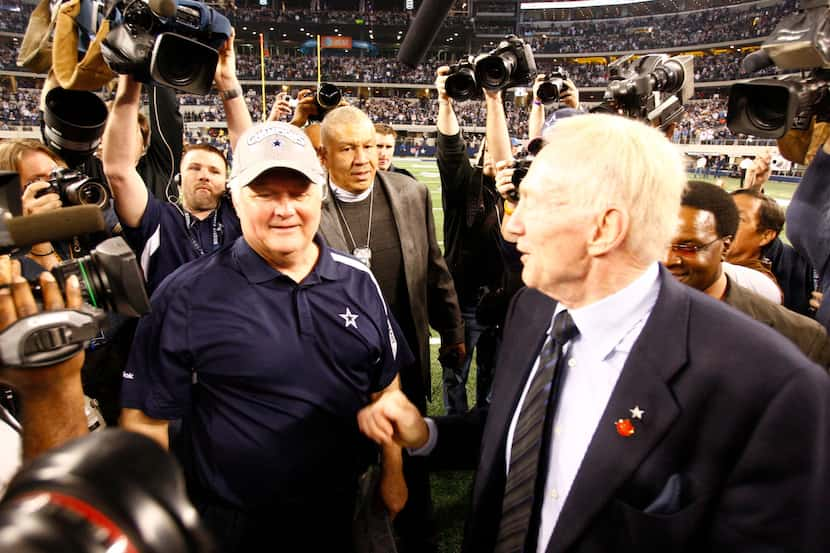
x: 441, y: 83
x: 570, y: 96
x: 758, y: 174
x: 504, y: 180
x: 281, y: 107
x: 452, y: 355
x: 306, y: 107
x: 393, y: 490
x: 225, y: 75
x: 816, y: 298
x: 42, y: 204
x: 393, y: 420
x: 16, y: 302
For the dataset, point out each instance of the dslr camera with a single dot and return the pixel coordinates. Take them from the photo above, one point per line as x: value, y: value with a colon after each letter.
x: 652, y: 88
x: 769, y: 107
x: 522, y: 165
x: 171, y: 42
x: 326, y: 98
x: 553, y: 86
x: 75, y: 188
x: 509, y: 65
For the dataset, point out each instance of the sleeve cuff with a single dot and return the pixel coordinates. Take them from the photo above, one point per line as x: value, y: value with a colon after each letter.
x: 427, y: 448
x: 453, y: 336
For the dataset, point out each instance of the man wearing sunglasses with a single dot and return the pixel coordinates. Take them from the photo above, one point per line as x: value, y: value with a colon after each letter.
x: 706, y: 226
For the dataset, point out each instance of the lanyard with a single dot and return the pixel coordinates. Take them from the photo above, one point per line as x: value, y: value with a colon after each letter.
x: 216, y: 232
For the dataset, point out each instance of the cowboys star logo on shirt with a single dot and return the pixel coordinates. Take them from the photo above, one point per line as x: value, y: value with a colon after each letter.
x: 349, y: 317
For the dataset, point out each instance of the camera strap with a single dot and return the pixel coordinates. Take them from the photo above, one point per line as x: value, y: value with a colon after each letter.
x: 216, y: 231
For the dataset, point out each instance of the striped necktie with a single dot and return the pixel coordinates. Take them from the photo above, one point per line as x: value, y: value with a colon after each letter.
x: 519, y: 511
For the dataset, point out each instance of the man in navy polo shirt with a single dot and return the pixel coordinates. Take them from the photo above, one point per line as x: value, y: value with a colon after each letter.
x: 167, y: 235
x: 266, y: 351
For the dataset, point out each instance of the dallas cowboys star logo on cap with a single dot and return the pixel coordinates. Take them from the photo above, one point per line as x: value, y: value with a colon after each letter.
x: 276, y: 143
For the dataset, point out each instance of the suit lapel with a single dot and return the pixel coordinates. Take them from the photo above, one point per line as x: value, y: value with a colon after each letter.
x: 611, y: 459
x: 330, y: 227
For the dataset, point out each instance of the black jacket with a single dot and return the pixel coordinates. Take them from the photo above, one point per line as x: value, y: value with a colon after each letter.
x: 472, y: 220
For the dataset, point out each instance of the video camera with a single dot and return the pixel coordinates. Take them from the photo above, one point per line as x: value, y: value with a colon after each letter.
x: 91, y: 495
x: 509, y: 65
x: 75, y: 188
x: 553, y: 86
x: 769, y: 107
x: 652, y: 88
x: 327, y: 97
x: 171, y: 42
x: 110, y: 279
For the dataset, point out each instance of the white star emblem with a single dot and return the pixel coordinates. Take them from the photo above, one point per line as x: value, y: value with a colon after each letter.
x: 349, y: 317
x: 637, y: 413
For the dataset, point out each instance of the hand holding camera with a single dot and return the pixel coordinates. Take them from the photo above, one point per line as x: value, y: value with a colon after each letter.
x: 17, y: 302
x: 39, y: 197
x: 441, y: 83
x: 284, y: 104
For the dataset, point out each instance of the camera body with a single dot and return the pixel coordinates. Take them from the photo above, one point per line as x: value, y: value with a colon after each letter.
x: 327, y: 97
x: 550, y: 90
x: 522, y: 165
x: 769, y: 107
x: 509, y: 65
x: 652, y: 88
x: 179, y: 50
x: 75, y: 188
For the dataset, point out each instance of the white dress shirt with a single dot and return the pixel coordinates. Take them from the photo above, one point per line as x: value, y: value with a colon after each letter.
x: 607, y: 332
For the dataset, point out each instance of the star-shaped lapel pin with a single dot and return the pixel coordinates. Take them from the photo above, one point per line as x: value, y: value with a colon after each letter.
x: 637, y: 413
x: 349, y: 317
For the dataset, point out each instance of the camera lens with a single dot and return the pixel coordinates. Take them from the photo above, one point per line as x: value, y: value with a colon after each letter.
x: 461, y: 85
x: 493, y: 72
x: 548, y: 92
x: 110, y: 278
x: 328, y: 96
x: 87, y: 193
x: 182, y: 63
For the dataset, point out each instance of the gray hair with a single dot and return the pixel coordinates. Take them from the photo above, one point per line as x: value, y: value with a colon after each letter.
x: 609, y: 160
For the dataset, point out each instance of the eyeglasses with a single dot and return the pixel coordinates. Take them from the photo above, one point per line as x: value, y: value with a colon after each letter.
x: 691, y: 249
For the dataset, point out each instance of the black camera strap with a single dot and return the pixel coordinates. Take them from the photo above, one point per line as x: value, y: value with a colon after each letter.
x: 217, y: 231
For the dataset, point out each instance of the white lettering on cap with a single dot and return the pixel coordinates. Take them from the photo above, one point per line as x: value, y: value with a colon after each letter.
x: 297, y: 137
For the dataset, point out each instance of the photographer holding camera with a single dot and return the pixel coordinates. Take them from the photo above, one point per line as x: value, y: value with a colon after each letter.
x: 472, y: 210
x: 51, y: 398
x: 566, y: 95
x: 167, y: 235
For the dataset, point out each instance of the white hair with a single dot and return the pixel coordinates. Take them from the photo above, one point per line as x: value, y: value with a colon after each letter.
x: 610, y: 160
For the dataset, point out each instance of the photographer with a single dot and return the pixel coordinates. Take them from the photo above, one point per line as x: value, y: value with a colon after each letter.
x: 536, y: 120
x: 34, y: 163
x: 52, y: 399
x: 472, y: 209
x: 166, y: 235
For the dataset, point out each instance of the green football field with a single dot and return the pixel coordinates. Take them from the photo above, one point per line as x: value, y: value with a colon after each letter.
x: 451, y: 490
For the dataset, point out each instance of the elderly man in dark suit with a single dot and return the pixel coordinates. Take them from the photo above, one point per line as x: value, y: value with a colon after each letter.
x: 630, y: 412
x: 385, y: 220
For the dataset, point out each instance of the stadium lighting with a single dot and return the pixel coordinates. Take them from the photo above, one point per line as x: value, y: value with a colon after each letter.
x: 578, y: 4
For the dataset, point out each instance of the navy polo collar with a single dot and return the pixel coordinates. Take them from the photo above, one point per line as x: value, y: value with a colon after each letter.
x: 257, y: 270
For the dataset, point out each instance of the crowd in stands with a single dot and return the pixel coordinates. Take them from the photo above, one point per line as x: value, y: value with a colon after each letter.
x: 721, y: 67
x: 636, y: 33
x: 644, y: 33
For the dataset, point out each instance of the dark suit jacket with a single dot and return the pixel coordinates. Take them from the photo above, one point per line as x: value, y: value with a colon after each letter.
x: 807, y: 334
x: 736, y: 418
x: 432, y: 298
